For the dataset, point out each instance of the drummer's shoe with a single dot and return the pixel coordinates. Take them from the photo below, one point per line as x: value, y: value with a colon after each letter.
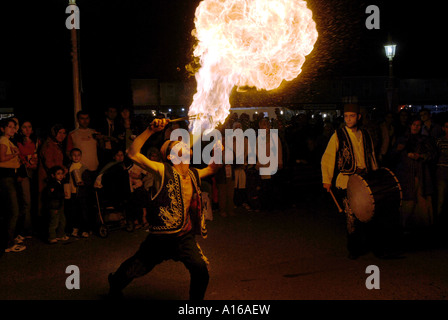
x: 114, y: 292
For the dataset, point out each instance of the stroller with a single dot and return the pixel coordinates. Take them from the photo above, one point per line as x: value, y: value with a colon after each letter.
x: 112, y: 191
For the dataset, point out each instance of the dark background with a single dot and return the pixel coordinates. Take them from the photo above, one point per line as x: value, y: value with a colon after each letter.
x: 124, y: 39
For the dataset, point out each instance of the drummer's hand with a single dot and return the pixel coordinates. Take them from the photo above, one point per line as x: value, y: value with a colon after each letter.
x: 158, y: 125
x: 327, y: 186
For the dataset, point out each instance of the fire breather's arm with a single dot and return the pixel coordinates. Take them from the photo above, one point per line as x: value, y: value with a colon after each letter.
x: 134, y: 150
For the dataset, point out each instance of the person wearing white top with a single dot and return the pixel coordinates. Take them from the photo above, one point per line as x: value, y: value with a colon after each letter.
x: 84, y: 138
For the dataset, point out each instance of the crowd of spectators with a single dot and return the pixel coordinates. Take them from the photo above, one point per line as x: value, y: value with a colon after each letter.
x: 49, y: 184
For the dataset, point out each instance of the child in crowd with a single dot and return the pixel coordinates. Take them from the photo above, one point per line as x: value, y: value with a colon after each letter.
x: 139, y: 197
x: 55, y: 198
x: 79, y: 195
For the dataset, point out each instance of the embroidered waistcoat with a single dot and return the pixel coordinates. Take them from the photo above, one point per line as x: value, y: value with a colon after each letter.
x: 167, y: 213
x: 345, y: 159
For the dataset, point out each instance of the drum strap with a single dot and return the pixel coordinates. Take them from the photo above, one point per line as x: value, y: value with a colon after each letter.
x: 345, y: 155
x: 350, y: 217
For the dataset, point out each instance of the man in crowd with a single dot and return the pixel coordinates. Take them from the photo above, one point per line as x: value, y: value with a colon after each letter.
x: 441, y: 217
x: 429, y: 127
x: 84, y: 138
x: 112, y: 134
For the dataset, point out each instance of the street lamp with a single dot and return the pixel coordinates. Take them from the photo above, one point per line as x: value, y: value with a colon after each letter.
x: 390, y: 54
x: 390, y: 51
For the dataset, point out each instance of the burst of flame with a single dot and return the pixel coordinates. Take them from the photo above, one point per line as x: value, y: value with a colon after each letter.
x: 247, y: 43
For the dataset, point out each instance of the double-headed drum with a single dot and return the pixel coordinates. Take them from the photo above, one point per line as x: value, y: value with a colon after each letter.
x: 374, y: 194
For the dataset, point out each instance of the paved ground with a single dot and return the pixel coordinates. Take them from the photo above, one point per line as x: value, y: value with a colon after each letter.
x: 297, y: 254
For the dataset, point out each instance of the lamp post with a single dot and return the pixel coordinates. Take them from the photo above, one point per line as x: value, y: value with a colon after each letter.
x: 75, y: 67
x: 390, y: 54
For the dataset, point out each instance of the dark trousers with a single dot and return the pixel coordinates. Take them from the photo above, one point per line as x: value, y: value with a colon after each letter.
x: 56, y: 227
x: 9, y: 210
x: 158, y: 248
x: 79, y: 217
x: 138, y: 200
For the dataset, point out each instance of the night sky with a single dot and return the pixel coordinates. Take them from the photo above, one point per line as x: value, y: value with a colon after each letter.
x: 124, y: 39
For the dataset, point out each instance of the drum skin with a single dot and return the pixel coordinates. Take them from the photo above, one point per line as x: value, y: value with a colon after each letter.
x: 373, y: 194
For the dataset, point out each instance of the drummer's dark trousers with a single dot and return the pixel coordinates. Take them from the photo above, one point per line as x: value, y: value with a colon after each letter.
x: 378, y: 235
x: 158, y: 248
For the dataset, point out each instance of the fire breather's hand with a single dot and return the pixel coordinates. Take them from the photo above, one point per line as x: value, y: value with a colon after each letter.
x: 158, y: 125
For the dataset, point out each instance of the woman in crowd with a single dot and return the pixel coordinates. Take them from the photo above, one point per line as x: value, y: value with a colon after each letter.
x: 9, y: 163
x: 402, y: 123
x: 387, y: 138
x: 51, y: 154
x: 414, y: 154
x: 28, y: 145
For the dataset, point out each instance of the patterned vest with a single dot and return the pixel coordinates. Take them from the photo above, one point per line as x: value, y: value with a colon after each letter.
x: 345, y: 157
x: 167, y: 213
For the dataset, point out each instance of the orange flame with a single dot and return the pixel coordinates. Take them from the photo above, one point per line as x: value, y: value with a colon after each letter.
x: 247, y: 43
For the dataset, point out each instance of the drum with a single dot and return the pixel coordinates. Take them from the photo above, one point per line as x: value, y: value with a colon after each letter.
x: 374, y: 193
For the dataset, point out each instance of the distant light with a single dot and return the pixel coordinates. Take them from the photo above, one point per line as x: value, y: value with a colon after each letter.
x: 169, y: 110
x: 281, y: 112
x: 183, y: 109
x: 390, y: 50
x: 324, y: 115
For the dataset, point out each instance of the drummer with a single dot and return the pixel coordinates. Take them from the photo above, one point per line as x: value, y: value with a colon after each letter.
x: 349, y: 151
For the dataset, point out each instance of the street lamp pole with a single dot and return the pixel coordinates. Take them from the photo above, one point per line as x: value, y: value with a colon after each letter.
x: 75, y: 65
x: 390, y: 53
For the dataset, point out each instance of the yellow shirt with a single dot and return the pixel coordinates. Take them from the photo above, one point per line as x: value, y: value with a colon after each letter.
x: 74, y: 166
x: 13, y: 163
